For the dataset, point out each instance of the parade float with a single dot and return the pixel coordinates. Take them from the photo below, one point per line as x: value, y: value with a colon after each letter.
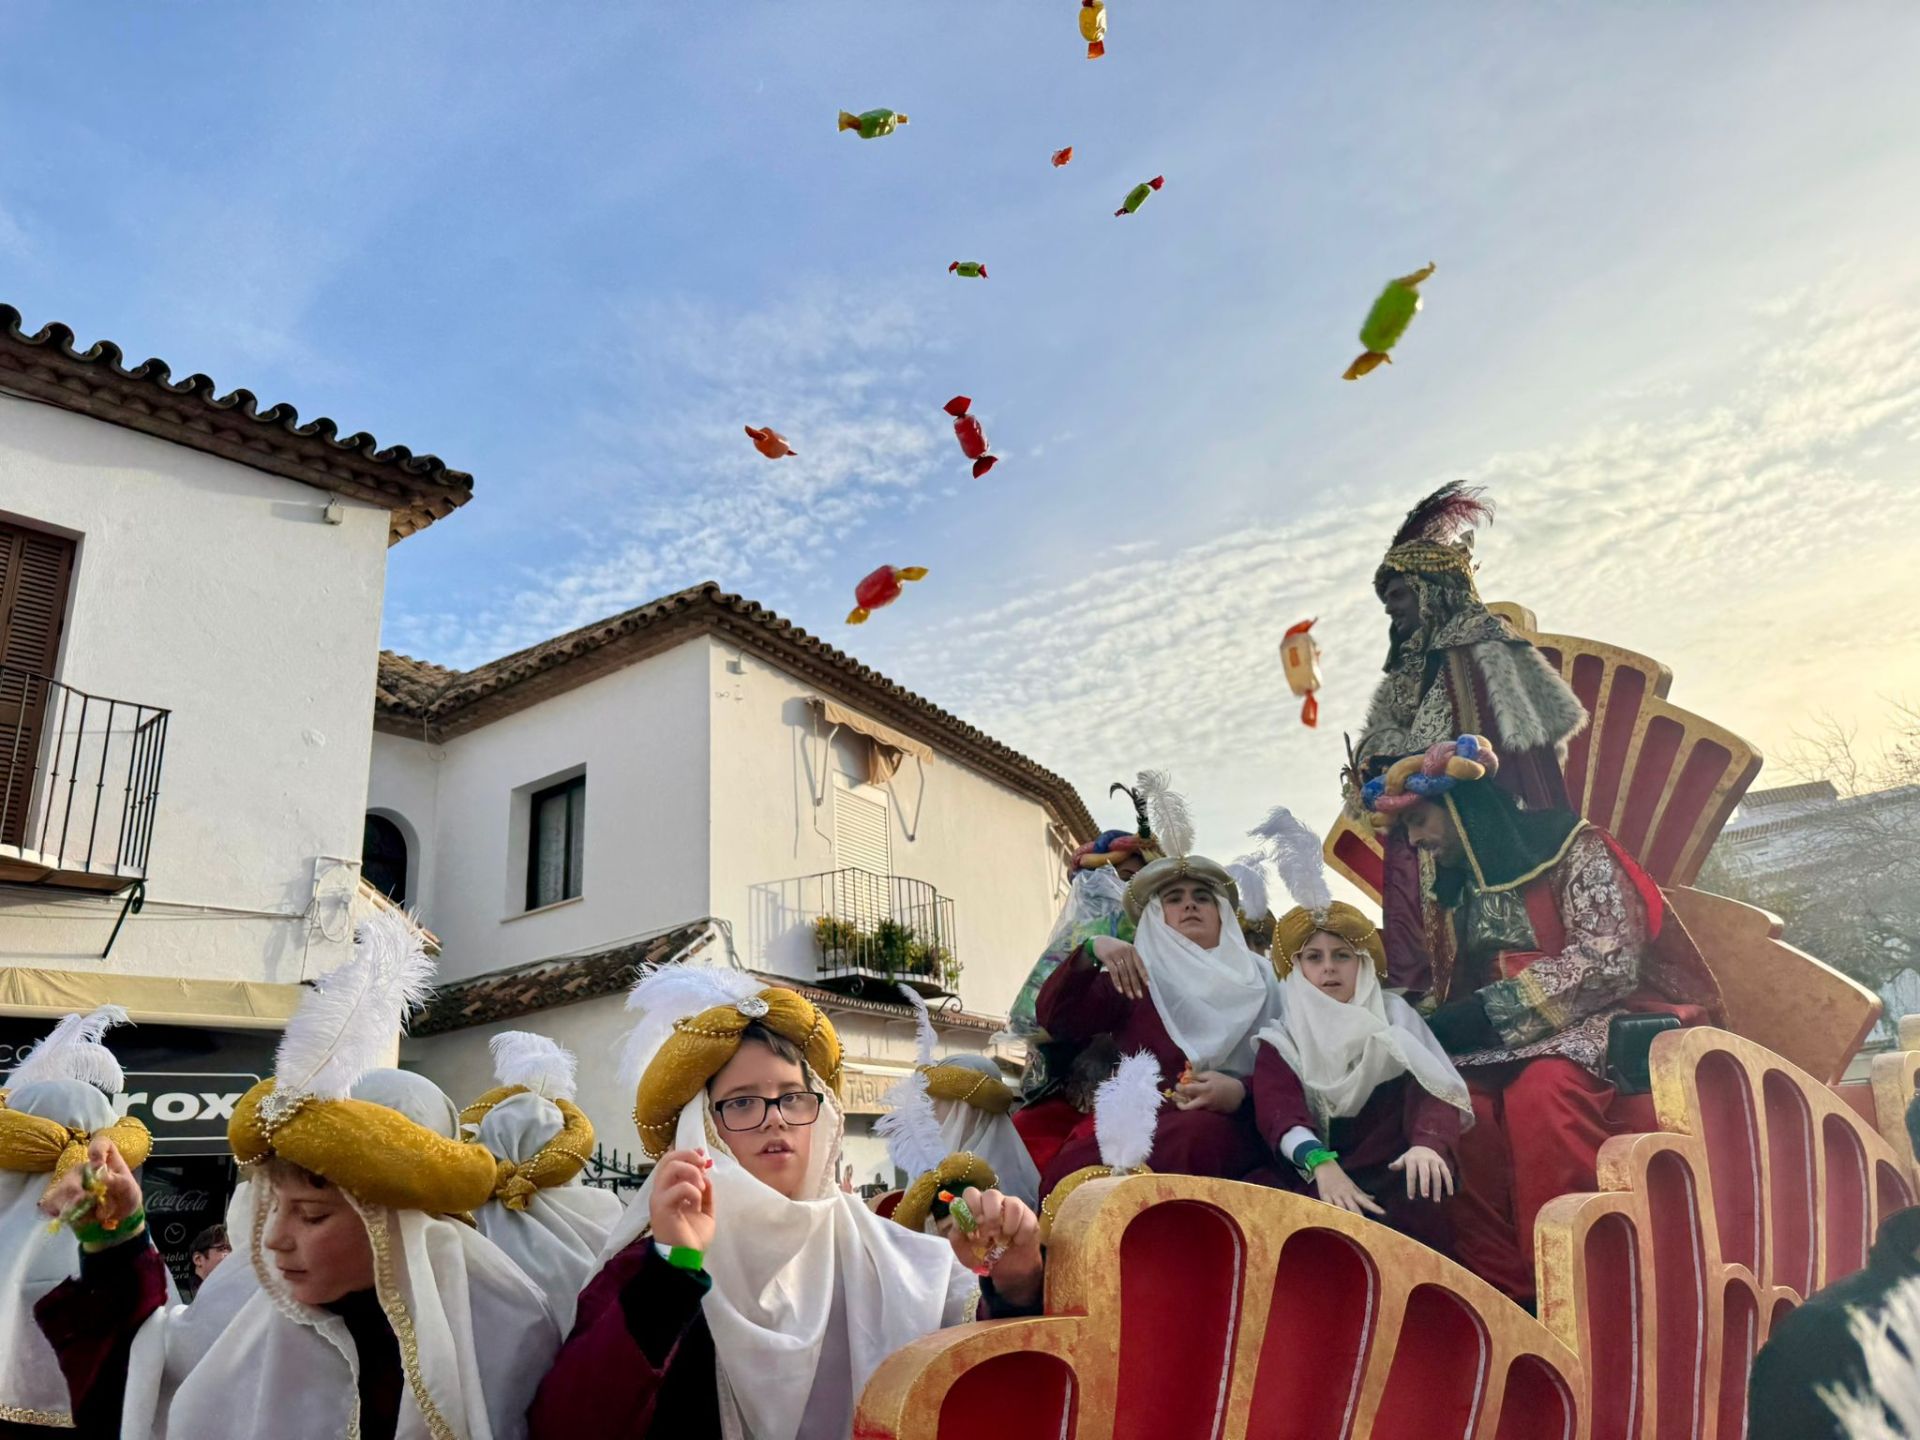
x: 1751, y: 1175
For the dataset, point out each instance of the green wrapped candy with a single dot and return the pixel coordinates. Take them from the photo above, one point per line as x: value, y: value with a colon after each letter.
x: 1387, y: 321
x: 1137, y: 196
x: 972, y: 269
x: 873, y: 123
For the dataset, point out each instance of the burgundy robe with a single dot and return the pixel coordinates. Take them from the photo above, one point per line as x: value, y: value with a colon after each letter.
x: 90, y: 1322
x: 1079, y: 1002
x: 1397, y: 1116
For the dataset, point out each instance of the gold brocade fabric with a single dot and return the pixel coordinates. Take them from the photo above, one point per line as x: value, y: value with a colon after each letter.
x: 969, y: 1086
x: 33, y: 1145
x: 954, y: 1173
x: 1299, y: 925
x: 374, y: 1153
x: 700, y: 1046
x: 555, y: 1163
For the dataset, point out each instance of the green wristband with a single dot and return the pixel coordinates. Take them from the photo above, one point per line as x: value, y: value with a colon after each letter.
x: 1315, y: 1158
x: 685, y: 1257
x: 92, y: 1232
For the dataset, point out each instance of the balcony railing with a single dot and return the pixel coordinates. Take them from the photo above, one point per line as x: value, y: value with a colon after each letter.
x: 79, y: 783
x: 875, y: 931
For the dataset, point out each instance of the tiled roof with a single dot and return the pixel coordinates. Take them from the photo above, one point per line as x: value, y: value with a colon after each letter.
x: 567, y: 980
x: 408, y: 699
x: 48, y: 366
x: 1789, y: 794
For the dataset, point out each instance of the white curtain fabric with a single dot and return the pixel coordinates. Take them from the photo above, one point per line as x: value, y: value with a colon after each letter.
x: 1342, y: 1052
x: 991, y: 1137
x: 809, y: 1296
x: 557, y: 1239
x: 1213, y: 1002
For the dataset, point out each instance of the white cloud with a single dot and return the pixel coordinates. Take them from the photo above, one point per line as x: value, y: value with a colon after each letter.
x: 13, y: 237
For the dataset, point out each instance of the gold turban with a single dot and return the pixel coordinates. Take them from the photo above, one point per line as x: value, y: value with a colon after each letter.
x: 954, y: 1173
x: 34, y: 1145
x: 702, y: 1044
x: 374, y: 1153
x: 986, y: 1093
x: 1161, y: 873
x: 1299, y: 925
x: 554, y: 1163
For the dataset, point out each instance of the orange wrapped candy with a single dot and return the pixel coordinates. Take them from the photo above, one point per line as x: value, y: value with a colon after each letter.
x: 770, y: 442
x: 1061, y: 157
x: 1300, y: 663
x: 1093, y: 27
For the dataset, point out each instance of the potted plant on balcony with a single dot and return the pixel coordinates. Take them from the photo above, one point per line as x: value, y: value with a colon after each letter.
x: 839, y: 941
x: 892, y: 951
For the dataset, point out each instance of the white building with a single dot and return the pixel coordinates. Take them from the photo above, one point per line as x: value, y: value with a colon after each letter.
x: 190, y: 596
x: 697, y: 770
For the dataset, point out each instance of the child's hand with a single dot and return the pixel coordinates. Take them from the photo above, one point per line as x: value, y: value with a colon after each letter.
x: 1124, y: 966
x: 1210, y: 1090
x: 682, y: 1204
x: 1338, y: 1190
x: 1426, y: 1172
x: 1006, y: 1237
x: 122, y: 1197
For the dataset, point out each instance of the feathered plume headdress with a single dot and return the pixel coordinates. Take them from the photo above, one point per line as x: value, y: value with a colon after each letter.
x: 72, y: 1051
x: 1436, y: 538
x: 910, y: 1127
x: 1888, y: 1406
x: 1166, y: 825
x: 349, y: 1023
x: 1126, y: 1108
x: 667, y: 994
x: 926, y: 1040
x: 537, y: 1062
x: 1249, y: 874
x: 1297, y: 858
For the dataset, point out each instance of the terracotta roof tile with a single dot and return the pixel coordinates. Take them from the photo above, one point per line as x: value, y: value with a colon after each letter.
x: 466, y: 700
x: 47, y: 365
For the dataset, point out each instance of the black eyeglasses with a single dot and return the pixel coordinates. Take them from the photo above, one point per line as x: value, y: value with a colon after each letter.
x: 749, y: 1112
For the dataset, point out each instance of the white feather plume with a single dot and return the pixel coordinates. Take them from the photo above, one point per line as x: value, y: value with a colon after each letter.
x: 539, y: 1062
x: 1249, y: 874
x: 1297, y: 856
x: 926, y: 1039
x: 910, y: 1127
x: 1167, y: 812
x: 666, y: 994
x: 1888, y: 1407
x: 348, y: 1024
x: 72, y: 1051
x: 1126, y: 1108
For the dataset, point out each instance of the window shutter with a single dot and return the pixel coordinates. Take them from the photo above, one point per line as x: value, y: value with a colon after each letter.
x: 34, y: 570
x: 860, y: 833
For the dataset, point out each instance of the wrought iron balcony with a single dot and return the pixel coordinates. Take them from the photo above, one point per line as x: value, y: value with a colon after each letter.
x: 876, y: 931
x: 79, y: 784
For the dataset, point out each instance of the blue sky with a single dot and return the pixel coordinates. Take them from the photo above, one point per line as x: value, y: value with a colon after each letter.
x: 1675, y: 326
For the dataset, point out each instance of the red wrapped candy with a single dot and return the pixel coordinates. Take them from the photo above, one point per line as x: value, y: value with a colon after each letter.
x: 770, y: 442
x: 881, y: 589
x: 1061, y: 157
x: 973, y: 440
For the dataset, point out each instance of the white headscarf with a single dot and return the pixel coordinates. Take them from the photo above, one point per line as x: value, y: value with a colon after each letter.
x: 475, y: 1334
x: 991, y: 1137
x: 1343, y: 1052
x: 1214, y: 1001
x: 809, y: 1296
x: 557, y: 1239
x: 32, y: 1262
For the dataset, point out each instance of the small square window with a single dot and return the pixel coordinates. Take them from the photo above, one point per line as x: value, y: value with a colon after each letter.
x: 556, y: 842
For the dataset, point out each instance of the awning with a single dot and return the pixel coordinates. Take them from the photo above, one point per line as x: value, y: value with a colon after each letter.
x: 228, y: 1004
x: 889, y: 745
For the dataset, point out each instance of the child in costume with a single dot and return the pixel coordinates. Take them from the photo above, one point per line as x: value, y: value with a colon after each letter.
x: 374, y: 1315
x: 744, y: 1293
x: 540, y: 1214
x: 57, y: 1102
x: 1356, y: 1100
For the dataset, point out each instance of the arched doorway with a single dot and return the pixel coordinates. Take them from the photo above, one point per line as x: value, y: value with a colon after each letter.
x: 383, y: 858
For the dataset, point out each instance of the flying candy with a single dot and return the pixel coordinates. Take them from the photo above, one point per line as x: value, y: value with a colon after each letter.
x: 1093, y: 27
x: 1300, y: 663
x: 770, y: 442
x: 872, y: 123
x: 1388, y: 321
x: 972, y: 269
x: 881, y: 589
x: 973, y: 440
x: 1137, y: 196
x: 1061, y: 157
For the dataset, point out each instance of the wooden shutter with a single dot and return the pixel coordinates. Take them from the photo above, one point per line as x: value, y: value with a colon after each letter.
x: 34, y: 570
x: 860, y: 833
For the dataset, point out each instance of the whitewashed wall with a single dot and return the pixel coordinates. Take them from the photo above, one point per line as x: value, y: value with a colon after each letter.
x: 640, y: 733
x: 219, y: 592
x: 974, y: 840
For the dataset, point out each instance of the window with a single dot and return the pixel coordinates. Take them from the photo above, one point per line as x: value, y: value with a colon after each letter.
x: 556, y: 841
x: 34, y: 569
x: 860, y: 833
x: 383, y: 858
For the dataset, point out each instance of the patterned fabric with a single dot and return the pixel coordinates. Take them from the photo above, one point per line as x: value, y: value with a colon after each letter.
x: 1562, y: 1003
